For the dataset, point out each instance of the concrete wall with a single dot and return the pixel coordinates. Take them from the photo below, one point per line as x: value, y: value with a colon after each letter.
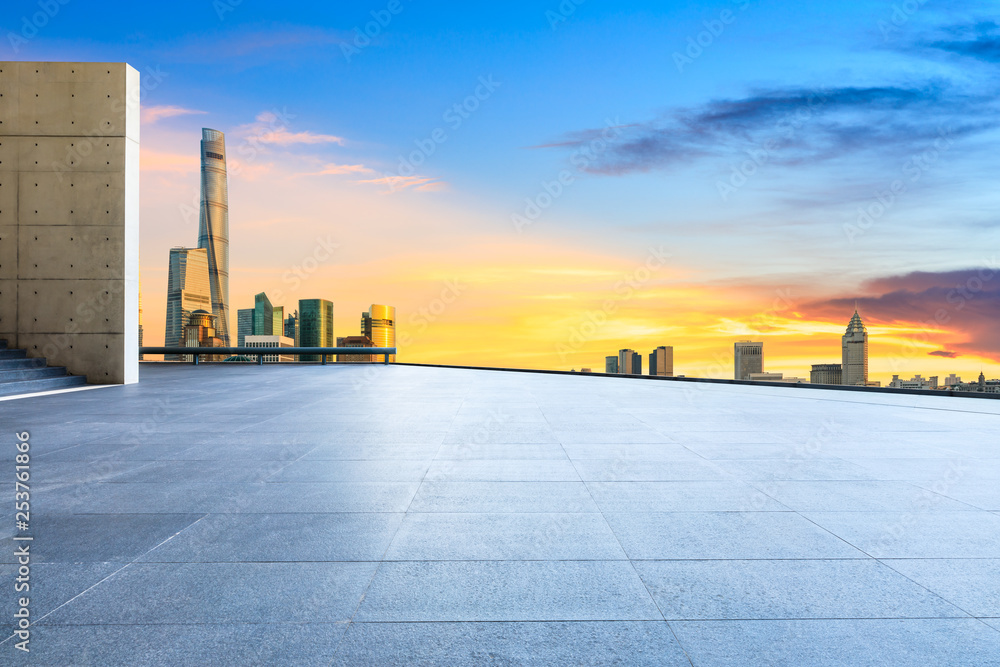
x: 69, y: 215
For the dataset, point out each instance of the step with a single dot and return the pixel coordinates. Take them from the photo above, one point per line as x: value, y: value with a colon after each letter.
x: 17, y: 364
x: 32, y: 373
x: 13, y: 354
x: 45, y: 384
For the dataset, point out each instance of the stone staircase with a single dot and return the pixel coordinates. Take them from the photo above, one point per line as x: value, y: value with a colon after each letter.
x: 20, y: 375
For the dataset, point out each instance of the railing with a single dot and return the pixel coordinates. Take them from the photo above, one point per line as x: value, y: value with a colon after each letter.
x: 261, y: 352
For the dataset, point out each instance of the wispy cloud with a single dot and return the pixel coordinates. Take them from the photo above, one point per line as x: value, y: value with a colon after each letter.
x: 333, y: 169
x: 153, y: 114
x: 397, y: 183
x: 980, y: 41
x: 807, y: 125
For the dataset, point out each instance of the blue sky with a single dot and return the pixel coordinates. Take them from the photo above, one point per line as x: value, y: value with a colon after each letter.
x: 837, y: 101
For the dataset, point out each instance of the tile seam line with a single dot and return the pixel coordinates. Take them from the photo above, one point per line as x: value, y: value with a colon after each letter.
x: 388, y: 545
x: 123, y: 567
x: 620, y: 546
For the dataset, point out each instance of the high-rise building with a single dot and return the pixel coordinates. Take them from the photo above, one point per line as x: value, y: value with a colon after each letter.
x: 749, y: 358
x: 826, y: 374
x: 187, y: 291
x: 140, y: 316
x: 278, y: 326
x: 611, y: 365
x: 244, y: 325
x: 263, y: 316
x: 292, y: 327
x: 315, y: 325
x: 661, y: 361
x: 855, y: 352
x: 379, y: 325
x: 629, y: 363
x: 213, y: 224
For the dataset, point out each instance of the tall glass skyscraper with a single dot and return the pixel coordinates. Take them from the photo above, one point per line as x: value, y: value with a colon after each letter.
x: 187, y: 291
x: 213, y: 225
x: 263, y: 316
x: 244, y: 325
x: 315, y: 325
x: 379, y: 324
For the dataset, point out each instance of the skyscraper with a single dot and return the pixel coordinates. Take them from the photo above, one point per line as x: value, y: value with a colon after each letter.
x: 379, y: 325
x: 263, y: 315
x: 244, y: 325
x: 213, y: 225
x: 826, y: 374
x: 629, y: 363
x: 749, y: 358
x: 187, y: 291
x: 854, y: 347
x: 661, y: 361
x: 292, y: 327
x: 315, y: 325
x: 279, y: 321
x: 611, y: 365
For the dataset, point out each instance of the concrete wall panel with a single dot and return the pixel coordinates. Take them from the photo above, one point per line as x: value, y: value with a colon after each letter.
x: 69, y: 215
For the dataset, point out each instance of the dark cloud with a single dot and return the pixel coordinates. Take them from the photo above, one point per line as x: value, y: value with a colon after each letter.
x: 965, y: 303
x: 980, y: 41
x: 944, y: 353
x: 792, y: 126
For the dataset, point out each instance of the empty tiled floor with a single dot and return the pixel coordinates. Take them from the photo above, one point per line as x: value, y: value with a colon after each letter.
x: 379, y: 515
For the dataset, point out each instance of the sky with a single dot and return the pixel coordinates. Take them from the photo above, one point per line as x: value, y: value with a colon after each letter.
x: 541, y: 184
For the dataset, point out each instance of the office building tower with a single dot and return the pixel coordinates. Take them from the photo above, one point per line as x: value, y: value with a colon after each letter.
x: 629, y: 363
x: 855, y: 353
x: 661, y: 361
x: 826, y: 374
x: 315, y: 325
x: 213, y: 224
x: 749, y: 358
x: 356, y: 341
x: 379, y: 325
x: 263, y: 316
x: 278, y: 326
x: 187, y: 291
x: 140, y: 316
x: 244, y: 325
x: 292, y: 327
x: 611, y: 365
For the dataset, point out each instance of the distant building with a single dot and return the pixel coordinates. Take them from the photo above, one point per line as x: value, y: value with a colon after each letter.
x: 200, y: 332
x: 315, y: 325
x: 629, y: 363
x: 952, y: 380
x: 916, y: 382
x: 826, y: 374
x: 187, y: 291
x: 748, y: 357
x: 661, y: 361
x: 278, y: 326
x: 586, y: 370
x: 356, y: 341
x: 854, y: 346
x: 263, y: 315
x: 379, y: 325
x: 272, y: 341
x: 244, y: 325
x: 213, y: 224
x: 775, y: 377
x: 982, y: 385
x: 611, y: 365
x: 140, y: 316
x: 292, y: 327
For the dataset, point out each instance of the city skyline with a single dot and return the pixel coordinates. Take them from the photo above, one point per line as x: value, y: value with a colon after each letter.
x: 651, y: 234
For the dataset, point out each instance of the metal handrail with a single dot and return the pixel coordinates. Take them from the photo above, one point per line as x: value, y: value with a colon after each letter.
x: 261, y: 352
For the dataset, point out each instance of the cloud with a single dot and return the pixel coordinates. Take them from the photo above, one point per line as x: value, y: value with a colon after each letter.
x: 965, y: 304
x: 333, y: 169
x: 154, y: 114
x: 265, y: 44
x: 419, y: 183
x: 791, y: 127
x: 980, y: 41
x: 944, y: 353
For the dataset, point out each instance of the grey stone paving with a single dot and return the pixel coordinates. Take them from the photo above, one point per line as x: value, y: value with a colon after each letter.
x: 351, y: 515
